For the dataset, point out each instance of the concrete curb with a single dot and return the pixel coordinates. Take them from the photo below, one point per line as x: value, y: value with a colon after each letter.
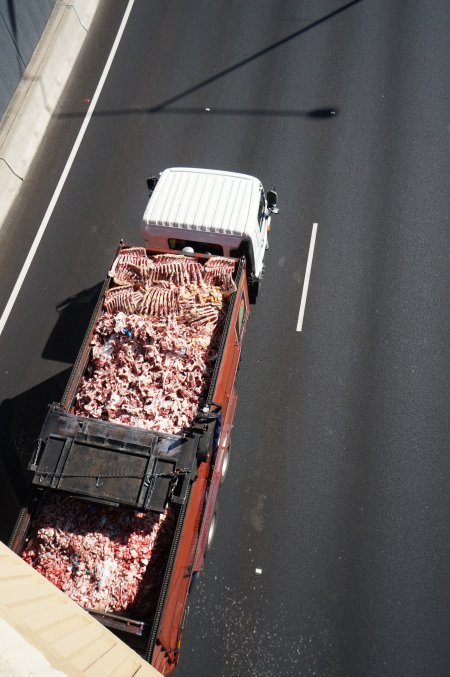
x: 29, y: 112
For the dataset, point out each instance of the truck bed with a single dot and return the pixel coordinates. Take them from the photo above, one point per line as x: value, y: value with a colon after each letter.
x: 128, y: 427
x: 107, y: 559
x: 110, y: 488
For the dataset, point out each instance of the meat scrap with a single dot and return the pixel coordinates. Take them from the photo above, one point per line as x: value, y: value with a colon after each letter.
x: 200, y: 293
x: 146, y: 373
x: 132, y: 265
x: 123, y: 298
x: 219, y: 271
x: 178, y: 269
x: 154, y: 346
x: 206, y: 314
x: 105, y: 559
x: 158, y: 301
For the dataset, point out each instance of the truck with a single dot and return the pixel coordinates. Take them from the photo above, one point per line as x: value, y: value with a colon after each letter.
x: 128, y: 465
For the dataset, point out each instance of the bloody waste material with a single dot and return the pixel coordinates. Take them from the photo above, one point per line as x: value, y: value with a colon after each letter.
x: 152, y: 356
x: 154, y: 346
x: 105, y: 559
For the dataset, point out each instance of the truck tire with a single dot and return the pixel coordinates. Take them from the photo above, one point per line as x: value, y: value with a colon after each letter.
x: 194, y: 580
x: 253, y: 291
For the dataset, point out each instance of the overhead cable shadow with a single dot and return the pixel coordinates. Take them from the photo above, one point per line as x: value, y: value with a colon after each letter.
x: 74, y: 314
x: 249, y: 59
x: 163, y: 106
x: 315, y: 113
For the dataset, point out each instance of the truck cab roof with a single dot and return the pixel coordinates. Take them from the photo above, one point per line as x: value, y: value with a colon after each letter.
x: 204, y: 200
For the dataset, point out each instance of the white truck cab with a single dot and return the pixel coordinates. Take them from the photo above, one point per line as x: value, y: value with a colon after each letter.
x: 216, y: 212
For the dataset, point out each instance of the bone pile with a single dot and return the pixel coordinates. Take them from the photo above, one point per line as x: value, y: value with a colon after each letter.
x: 155, y: 344
x: 105, y: 559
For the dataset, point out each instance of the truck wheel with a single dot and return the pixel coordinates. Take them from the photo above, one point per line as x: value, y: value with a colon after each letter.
x: 194, y: 581
x: 253, y: 291
x: 226, y: 463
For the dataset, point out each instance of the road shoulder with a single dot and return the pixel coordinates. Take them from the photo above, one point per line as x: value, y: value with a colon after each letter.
x: 29, y: 112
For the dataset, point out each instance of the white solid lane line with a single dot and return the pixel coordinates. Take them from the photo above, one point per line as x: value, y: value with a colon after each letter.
x: 62, y: 180
x: 307, y: 276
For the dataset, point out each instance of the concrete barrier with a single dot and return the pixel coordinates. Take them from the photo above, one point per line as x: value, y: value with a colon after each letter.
x: 30, y: 110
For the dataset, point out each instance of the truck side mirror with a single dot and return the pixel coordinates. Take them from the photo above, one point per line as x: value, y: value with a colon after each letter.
x: 272, y: 201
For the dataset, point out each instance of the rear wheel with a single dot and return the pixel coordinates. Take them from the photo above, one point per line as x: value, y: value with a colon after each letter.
x: 194, y: 581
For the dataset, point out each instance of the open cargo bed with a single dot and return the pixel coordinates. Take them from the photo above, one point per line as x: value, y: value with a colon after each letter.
x: 132, y: 482
x: 102, y: 458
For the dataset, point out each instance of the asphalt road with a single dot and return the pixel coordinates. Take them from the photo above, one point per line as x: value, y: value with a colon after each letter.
x: 338, y: 487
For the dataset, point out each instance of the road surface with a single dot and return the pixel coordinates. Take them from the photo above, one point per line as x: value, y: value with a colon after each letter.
x: 332, y: 550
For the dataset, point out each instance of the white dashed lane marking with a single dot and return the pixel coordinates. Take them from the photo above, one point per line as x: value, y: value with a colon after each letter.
x: 307, y: 276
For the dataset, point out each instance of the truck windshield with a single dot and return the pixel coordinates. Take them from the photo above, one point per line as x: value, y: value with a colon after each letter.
x: 198, y: 247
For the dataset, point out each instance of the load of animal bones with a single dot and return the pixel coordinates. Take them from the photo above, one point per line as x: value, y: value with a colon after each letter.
x: 105, y: 559
x: 155, y: 344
